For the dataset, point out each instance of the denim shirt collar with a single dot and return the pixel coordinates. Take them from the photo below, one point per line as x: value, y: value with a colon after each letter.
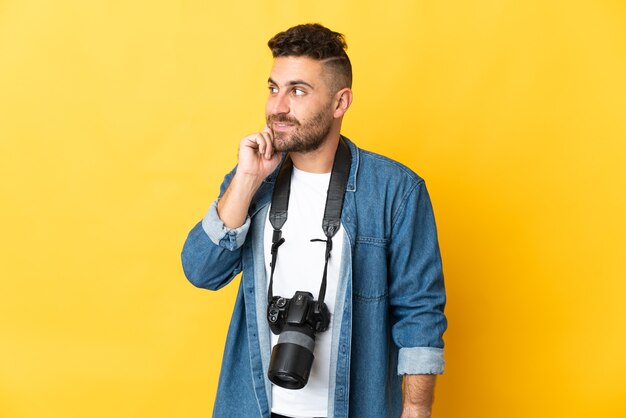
x: 354, y: 167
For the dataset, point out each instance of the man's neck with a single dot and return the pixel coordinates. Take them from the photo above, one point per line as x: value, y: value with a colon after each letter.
x: 318, y: 161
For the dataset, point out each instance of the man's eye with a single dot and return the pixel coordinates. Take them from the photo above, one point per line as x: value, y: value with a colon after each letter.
x: 298, y: 92
x: 273, y: 89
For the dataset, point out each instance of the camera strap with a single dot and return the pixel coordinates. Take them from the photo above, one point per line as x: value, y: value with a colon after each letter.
x: 332, y: 211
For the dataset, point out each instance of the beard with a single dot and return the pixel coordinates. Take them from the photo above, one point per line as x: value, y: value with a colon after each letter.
x: 304, y: 137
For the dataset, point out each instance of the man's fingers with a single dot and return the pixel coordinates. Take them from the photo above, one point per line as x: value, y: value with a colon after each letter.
x: 255, y: 142
x: 261, y: 143
x: 270, y: 134
x: 268, y: 150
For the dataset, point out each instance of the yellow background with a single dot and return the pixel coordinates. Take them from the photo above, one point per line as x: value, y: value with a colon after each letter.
x: 119, y: 118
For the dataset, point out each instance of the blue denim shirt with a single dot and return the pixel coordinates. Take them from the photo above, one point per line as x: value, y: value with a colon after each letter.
x: 389, y: 318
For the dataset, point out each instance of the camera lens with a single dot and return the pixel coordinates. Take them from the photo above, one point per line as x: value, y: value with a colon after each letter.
x: 292, y: 357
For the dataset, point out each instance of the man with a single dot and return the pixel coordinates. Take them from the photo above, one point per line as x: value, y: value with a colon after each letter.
x: 380, y: 270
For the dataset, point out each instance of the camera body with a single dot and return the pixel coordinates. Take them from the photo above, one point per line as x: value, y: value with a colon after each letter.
x: 301, y: 310
x: 296, y: 321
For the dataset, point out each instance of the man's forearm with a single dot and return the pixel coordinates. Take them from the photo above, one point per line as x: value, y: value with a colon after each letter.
x: 233, y: 206
x: 418, y: 395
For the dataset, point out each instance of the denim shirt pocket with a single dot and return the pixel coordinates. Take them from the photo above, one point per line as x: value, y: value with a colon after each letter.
x: 370, y: 263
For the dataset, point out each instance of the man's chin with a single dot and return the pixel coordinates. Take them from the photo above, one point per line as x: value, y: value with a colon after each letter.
x: 289, y: 143
x: 281, y: 144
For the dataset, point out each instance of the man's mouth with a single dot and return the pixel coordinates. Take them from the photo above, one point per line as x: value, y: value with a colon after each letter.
x: 281, y: 126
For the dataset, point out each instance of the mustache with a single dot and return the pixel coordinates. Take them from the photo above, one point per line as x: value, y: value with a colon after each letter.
x: 281, y: 117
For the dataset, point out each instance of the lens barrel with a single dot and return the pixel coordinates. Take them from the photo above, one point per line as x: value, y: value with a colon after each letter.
x: 292, y: 357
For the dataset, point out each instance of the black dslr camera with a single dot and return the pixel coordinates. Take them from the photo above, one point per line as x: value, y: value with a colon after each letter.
x: 296, y: 320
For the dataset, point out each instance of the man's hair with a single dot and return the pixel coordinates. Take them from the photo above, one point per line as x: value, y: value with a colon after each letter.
x: 320, y: 43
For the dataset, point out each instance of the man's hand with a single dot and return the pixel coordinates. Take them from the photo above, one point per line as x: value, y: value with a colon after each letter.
x: 257, y: 160
x: 256, y: 155
x: 418, y: 395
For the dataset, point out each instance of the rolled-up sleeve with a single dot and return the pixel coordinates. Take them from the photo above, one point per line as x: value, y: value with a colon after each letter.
x: 416, y: 288
x: 211, y: 255
x: 420, y: 360
x: 219, y: 234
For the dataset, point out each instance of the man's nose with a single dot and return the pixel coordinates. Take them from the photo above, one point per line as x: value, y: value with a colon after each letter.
x: 279, y: 104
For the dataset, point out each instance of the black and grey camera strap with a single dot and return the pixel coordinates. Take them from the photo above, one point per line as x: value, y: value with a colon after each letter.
x: 332, y: 211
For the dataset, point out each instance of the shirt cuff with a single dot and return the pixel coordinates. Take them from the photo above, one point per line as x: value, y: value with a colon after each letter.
x: 229, y: 238
x: 420, y: 360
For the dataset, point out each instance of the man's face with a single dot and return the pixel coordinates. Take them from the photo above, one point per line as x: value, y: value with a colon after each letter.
x: 299, y: 107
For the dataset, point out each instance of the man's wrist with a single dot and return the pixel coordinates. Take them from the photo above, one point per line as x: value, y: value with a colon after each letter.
x: 246, y: 183
x: 412, y: 411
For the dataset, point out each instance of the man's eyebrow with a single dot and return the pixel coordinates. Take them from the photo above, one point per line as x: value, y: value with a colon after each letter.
x: 292, y: 83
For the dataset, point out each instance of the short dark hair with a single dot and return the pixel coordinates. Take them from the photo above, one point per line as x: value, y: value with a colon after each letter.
x: 320, y: 43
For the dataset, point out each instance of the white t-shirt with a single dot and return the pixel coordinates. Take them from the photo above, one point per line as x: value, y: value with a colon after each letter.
x: 299, y: 267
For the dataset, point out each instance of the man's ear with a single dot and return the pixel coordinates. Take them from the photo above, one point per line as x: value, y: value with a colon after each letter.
x: 343, y: 100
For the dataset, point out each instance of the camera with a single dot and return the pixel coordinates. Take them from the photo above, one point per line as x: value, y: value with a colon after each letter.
x: 296, y: 321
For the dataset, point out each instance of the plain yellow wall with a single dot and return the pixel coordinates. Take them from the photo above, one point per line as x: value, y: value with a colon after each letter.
x: 118, y: 120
